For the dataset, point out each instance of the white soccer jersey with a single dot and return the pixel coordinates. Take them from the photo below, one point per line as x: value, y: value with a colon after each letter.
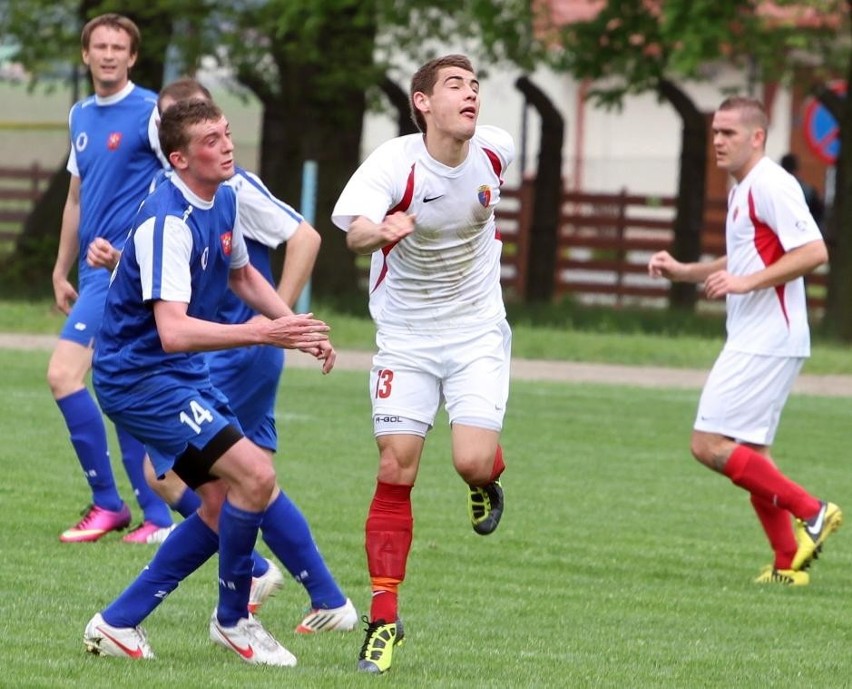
x: 263, y: 217
x: 446, y: 274
x: 767, y: 217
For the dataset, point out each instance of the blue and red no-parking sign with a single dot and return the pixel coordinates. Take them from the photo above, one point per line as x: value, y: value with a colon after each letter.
x: 822, y: 131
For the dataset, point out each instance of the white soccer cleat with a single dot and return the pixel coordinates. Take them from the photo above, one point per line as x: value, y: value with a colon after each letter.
x: 264, y: 587
x: 342, y: 619
x: 251, y: 642
x: 103, y: 639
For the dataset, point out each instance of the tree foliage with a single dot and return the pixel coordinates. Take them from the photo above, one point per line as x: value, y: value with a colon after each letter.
x: 311, y: 63
x: 654, y: 45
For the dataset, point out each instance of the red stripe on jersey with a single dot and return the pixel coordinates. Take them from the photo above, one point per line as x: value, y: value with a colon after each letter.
x: 498, y: 169
x: 403, y: 205
x: 495, y: 163
x: 407, y: 195
x: 768, y: 248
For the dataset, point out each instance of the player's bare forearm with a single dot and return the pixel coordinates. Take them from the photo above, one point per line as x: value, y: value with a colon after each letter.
x: 302, y: 250
x: 68, y: 249
x: 663, y: 264
x: 364, y: 236
x: 180, y: 332
x: 250, y: 286
x: 793, y: 264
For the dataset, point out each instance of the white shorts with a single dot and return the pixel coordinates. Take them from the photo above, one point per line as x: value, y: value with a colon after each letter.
x: 412, y: 373
x: 744, y: 395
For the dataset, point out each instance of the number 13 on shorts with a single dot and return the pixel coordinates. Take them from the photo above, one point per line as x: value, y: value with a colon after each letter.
x: 384, y: 381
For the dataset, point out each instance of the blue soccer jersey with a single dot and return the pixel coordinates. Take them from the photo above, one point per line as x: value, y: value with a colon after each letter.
x: 116, y: 154
x: 181, y: 249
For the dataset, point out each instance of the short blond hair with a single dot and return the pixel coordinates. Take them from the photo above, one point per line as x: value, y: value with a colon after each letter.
x: 752, y: 110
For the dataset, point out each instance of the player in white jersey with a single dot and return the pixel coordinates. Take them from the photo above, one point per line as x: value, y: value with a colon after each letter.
x: 772, y: 241
x: 423, y: 206
x: 114, y: 156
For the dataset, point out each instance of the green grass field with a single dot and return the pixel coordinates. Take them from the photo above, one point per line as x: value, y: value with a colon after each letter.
x: 619, y: 563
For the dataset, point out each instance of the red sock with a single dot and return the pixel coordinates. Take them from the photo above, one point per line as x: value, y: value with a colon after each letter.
x: 499, y: 465
x: 388, y: 532
x: 779, y: 530
x: 754, y: 472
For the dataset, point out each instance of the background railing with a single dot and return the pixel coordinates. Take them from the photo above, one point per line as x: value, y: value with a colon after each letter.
x: 603, y: 245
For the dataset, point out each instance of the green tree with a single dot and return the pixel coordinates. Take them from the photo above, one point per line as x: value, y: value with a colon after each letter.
x: 49, y: 33
x: 311, y: 63
x: 654, y: 46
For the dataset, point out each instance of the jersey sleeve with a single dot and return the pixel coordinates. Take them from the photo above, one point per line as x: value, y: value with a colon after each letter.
x: 499, y: 141
x: 239, y: 250
x: 71, y: 165
x: 163, y: 248
x: 374, y: 188
x: 262, y: 216
x: 781, y: 204
x: 154, y: 137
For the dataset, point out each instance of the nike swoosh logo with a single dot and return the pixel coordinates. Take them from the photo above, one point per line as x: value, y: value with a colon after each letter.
x: 131, y: 652
x: 247, y: 652
x: 817, y: 526
x: 432, y: 198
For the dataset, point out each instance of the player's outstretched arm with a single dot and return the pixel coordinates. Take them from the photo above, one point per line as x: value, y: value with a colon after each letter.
x: 250, y: 286
x: 364, y: 236
x: 180, y: 332
x: 663, y: 264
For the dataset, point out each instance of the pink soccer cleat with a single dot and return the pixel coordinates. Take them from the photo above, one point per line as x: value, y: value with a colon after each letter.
x: 96, y: 522
x: 149, y: 533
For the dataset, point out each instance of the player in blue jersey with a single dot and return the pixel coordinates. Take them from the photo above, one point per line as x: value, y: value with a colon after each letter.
x: 185, y: 249
x: 249, y: 378
x: 114, y: 156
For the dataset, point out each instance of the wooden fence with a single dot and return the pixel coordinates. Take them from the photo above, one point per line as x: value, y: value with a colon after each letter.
x: 604, y: 243
x: 20, y: 189
x: 603, y: 246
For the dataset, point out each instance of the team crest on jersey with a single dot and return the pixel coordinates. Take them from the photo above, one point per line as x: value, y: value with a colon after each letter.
x: 82, y: 141
x: 205, y: 257
x: 114, y: 141
x: 226, y: 242
x: 484, y: 195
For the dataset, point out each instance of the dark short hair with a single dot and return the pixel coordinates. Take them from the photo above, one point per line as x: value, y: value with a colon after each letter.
x: 425, y: 78
x: 113, y: 21
x: 790, y: 162
x: 177, y: 120
x: 183, y: 89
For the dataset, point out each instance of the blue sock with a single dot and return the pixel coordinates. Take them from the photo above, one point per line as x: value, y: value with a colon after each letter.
x: 259, y: 564
x: 286, y: 532
x: 188, y: 547
x: 154, y: 508
x: 237, y: 536
x: 88, y: 436
x: 188, y: 503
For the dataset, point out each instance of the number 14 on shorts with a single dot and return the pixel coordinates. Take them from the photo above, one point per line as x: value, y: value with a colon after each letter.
x: 200, y: 415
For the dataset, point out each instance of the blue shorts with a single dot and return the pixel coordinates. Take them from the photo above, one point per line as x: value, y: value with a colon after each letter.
x: 84, y: 321
x: 166, y: 414
x: 249, y: 378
